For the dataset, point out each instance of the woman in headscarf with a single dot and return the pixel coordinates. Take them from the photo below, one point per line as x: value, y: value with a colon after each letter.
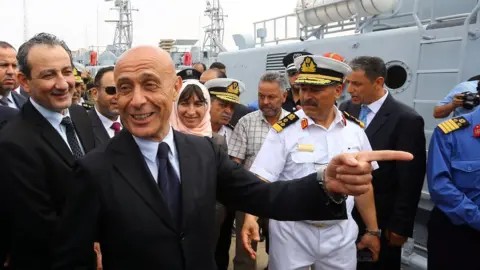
x: 191, y: 115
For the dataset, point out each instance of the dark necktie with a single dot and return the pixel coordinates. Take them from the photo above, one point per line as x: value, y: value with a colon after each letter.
x: 71, y: 138
x: 168, y: 182
x: 116, y: 127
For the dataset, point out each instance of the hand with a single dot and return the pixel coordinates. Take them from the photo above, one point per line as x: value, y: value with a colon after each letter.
x: 350, y: 174
x: 457, y: 100
x: 372, y: 243
x: 395, y: 240
x: 96, y: 247
x: 250, y: 232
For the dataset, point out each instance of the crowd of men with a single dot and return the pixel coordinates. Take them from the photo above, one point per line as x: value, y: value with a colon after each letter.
x: 102, y: 180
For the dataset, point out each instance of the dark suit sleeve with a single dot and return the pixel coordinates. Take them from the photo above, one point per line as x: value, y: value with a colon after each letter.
x: 301, y: 199
x: 410, y: 175
x: 81, y: 215
x: 23, y: 184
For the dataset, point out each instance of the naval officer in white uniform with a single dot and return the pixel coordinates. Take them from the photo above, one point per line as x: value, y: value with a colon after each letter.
x: 225, y: 95
x: 297, y: 146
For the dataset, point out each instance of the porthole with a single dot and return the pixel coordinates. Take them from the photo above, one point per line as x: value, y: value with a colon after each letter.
x: 399, y: 76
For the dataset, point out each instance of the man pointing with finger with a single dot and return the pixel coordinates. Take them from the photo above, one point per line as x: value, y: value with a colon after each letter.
x: 300, y: 144
x: 139, y: 194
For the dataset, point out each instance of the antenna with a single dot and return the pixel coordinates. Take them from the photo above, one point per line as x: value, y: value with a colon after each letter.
x: 25, y: 21
x: 213, y: 40
x: 123, y: 38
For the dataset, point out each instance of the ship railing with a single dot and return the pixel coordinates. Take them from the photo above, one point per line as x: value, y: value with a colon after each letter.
x: 357, y: 24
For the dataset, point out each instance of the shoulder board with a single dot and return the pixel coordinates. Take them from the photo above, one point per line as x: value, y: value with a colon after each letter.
x: 353, y: 119
x: 230, y: 126
x: 453, y: 124
x: 285, y: 122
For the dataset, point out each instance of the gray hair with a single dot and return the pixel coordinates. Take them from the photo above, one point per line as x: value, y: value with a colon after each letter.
x: 39, y: 39
x: 374, y: 67
x: 276, y: 77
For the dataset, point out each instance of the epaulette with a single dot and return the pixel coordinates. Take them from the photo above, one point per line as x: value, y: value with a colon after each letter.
x: 454, y: 124
x: 285, y: 122
x: 88, y: 106
x: 230, y: 126
x: 353, y: 119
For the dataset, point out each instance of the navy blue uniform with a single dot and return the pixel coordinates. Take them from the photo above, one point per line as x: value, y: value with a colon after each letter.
x: 453, y: 174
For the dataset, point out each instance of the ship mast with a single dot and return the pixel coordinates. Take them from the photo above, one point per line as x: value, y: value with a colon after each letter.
x: 123, y: 38
x: 214, y: 32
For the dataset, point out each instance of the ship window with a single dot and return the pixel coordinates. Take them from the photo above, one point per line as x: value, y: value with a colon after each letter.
x: 396, y: 77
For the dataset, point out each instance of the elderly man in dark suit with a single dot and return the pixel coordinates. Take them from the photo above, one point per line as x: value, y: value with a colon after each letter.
x: 105, y: 120
x: 390, y: 124
x: 38, y: 149
x: 149, y: 195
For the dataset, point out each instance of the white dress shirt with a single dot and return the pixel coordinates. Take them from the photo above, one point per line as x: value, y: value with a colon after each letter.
x: 149, y: 151
x: 375, y: 107
x: 11, y: 102
x: 107, y: 123
x: 55, y: 119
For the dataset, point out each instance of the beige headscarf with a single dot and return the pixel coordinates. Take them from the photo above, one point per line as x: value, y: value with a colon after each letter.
x: 205, y: 127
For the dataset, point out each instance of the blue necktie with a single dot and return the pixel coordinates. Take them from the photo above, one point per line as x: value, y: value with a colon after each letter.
x: 363, y: 114
x: 168, y: 182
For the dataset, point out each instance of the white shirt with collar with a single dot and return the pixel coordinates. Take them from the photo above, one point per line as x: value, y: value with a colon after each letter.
x: 226, y: 132
x: 11, y: 101
x: 374, y: 108
x: 149, y: 151
x: 107, y: 123
x: 301, y: 148
x: 55, y: 119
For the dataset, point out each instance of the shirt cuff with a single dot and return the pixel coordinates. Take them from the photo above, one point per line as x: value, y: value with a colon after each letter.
x: 263, y: 174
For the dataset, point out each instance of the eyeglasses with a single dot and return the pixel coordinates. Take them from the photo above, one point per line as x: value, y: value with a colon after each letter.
x: 292, y: 73
x: 111, y: 90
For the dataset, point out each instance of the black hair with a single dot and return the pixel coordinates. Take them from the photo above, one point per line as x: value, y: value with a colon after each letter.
x: 374, y: 67
x: 191, y: 90
x: 39, y: 39
x: 6, y: 45
x: 101, y: 72
x: 474, y: 78
x: 218, y: 65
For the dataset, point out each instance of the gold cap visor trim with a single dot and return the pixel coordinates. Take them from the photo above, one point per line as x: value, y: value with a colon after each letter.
x: 227, y: 97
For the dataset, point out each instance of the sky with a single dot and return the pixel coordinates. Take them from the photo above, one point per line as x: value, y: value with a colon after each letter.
x: 76, y: 21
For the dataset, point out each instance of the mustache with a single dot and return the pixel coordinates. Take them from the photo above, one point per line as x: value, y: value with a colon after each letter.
x: 59, y: 91
x: 309, y: 102
x: 226, y: 115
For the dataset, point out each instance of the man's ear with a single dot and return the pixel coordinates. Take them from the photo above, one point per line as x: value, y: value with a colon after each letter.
x: 178, y: 86
x: 23, y: 81
x: 94, y: 92
x: 380, y: 81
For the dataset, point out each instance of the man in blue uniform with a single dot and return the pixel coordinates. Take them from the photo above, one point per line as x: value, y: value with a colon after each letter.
x: 453, y: 174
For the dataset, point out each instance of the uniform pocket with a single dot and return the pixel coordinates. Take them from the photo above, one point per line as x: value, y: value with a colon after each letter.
x: 466, y: 174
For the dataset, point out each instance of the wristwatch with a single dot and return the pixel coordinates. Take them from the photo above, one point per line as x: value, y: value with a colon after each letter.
x: 336, y: 198
x: 374, y: 233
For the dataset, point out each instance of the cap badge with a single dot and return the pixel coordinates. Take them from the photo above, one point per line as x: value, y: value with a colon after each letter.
x: 189, y: 73
x: 233, y: 88
x: 308, y: 65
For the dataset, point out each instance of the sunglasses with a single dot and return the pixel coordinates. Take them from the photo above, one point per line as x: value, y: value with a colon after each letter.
x: 292, y: 73
x: 111, y: 90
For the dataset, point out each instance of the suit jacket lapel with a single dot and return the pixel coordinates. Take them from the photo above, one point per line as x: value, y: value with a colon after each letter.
x: 98, y: 127
x: 380, y: 117
x: 50, y: 135
x: 132, y: 166
x: 18, y: 99
x: 83, y: 128
x: 187, y: 174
